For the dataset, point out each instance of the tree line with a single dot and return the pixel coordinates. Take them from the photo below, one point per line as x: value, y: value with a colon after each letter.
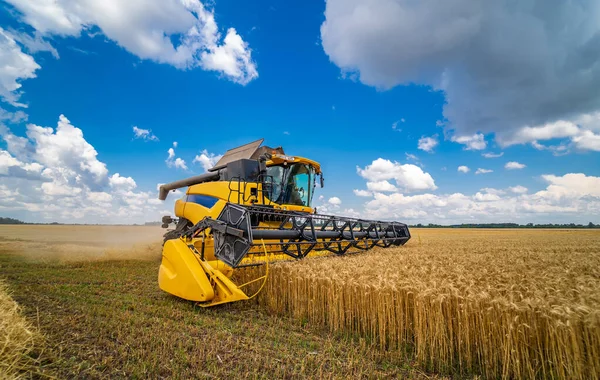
x: 10, y: 221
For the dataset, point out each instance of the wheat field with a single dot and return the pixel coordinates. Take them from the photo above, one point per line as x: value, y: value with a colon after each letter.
x: 500, y: 303
x: 73, y: 243
x: 495, y: 303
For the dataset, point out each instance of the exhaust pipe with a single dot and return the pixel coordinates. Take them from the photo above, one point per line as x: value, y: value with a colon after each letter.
x: 207, y: 177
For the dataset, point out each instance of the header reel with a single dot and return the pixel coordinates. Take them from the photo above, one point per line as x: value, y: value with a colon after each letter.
x: 240, y: 228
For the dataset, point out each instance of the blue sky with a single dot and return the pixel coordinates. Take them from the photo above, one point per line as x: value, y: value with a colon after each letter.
x: 391, y: 97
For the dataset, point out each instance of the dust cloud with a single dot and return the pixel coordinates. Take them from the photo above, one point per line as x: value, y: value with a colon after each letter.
x: 82, y: 243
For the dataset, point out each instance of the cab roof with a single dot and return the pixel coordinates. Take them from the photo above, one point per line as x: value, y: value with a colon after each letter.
x: 278, y: 159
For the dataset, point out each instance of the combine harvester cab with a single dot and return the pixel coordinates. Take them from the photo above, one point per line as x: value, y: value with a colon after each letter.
x: 253, y: 206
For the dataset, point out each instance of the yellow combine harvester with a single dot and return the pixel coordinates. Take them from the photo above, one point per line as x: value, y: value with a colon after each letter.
x: 256, y: 201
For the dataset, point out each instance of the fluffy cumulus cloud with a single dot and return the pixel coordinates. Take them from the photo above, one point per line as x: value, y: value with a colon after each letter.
x: 54, y: 174
x: 502, y: 65
x: 382, y: 186
x: 335, y: 201
x: 463, y: 169
x: 483, y: 171
x: 15, y: 66
x: 513, y: 165
x: 206, y: 159
x: 407, y: 177
x: 143, y: 134
x: 182, y: 33
x: 333, y: 206
x: 572, y: 197
x: 428, y: 143
x: 175, y: 162
x: 474, y: 142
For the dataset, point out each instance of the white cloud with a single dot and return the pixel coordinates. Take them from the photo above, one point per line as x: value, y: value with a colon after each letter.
x: 463, y: 169
x: 179, y: 163
x: 483, y: 171
x: 474, y: 142
x: 573, y: 197
x: 587, y: 140
x: 182, y: 33
x: 408, y: 177
x: 501, y: 65
x: 411, y: 157
x: 486, y: 197
x: 512, y: 165
x: 7, y: 161
x: 12, y: 117
x: 362, y: 193
x: 144, y: 134
x: 100, y: 197
x: 34, y: 44
x: 116, y: 181
x: 65, y: 148
x: 493, y: 155
x: 55, y: 175
x: 15, y: 66
x: 335, y: 201
x: 395, y: 126
x: 580, y: 133
x: 571, y: 185
x: 207, y: 160
x: 428, y: 143
x: 518, y: 189
x: 555, y: 130
x: 172, y: 162
x: 350, y: 213
x: 490, y: 190
x: 381, y: 186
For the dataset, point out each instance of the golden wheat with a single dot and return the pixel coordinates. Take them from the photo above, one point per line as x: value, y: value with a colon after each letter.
x: 503, y: 304
x: 16, y: 337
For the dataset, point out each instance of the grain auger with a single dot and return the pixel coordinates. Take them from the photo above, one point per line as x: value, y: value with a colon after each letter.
x: 254, y: 203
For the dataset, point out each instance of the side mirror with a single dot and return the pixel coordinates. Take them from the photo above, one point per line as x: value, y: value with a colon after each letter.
x: 262, y: 162
x: 322, y: 181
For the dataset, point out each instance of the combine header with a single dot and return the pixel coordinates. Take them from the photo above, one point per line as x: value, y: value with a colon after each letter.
x: 256, y: 201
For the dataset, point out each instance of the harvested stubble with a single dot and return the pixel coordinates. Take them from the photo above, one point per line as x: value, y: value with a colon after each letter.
x: 503, y: 304
x: 16, y: 337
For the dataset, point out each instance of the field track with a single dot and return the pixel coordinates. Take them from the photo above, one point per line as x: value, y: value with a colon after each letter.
x: 404, y: 312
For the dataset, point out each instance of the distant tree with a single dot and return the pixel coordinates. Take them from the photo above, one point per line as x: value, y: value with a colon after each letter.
x: 10, y: 221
